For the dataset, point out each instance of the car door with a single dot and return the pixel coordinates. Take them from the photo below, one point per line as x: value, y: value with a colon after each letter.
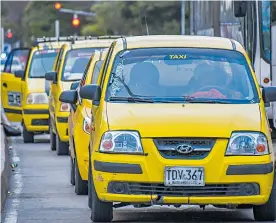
x: 11, y: 95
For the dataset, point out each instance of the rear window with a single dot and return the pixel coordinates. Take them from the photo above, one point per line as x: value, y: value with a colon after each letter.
x: 42, y: 62
x: 76, y: 61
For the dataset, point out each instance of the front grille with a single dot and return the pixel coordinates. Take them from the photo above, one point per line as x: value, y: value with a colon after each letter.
x: 240, y: 189
x: 40, y: 122
x: 201, y: 147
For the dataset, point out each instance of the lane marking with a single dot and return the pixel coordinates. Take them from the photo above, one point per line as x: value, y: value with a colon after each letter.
x: 12, y: 212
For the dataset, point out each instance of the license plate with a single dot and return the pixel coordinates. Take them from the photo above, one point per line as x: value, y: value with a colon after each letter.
x: 14, y: 98
x: 184, y: 176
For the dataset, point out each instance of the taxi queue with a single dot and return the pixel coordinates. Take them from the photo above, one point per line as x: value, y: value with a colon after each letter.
x: 150, y: 120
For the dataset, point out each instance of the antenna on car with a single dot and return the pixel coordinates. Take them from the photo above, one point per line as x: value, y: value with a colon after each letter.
x: 147, y: 28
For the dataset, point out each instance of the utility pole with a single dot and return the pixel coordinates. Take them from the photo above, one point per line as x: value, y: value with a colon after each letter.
x: 57, y: 28
x: 191, y: 16
x: 2, y: 39
x: 183, y: 17
x: 216, y: 18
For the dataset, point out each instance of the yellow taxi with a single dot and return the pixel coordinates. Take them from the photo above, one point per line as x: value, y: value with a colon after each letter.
x: 79, y: 125
x: 30, y: 83
x: 11, y: 85
x: 69, y: 67
x: 179, y: 120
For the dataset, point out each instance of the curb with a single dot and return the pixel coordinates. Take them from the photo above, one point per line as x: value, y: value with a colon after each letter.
x: 5, y: 170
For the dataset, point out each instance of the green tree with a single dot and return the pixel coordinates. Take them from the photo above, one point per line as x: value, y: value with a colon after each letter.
x: 39, y: 19
x: 135, y: 18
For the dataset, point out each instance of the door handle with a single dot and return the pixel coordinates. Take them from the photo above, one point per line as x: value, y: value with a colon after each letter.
x: 5, y: 85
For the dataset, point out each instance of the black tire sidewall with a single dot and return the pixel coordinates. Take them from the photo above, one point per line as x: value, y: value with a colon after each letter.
x: 28, y: 137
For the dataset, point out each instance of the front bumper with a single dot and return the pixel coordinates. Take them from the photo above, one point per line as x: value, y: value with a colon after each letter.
x: 36, y: 119
x: 147, y: 171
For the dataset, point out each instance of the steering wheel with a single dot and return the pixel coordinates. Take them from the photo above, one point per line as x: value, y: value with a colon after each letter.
x: 220, y: 89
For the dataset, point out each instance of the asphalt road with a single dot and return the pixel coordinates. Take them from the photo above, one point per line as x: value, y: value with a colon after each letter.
x: 41, y: 192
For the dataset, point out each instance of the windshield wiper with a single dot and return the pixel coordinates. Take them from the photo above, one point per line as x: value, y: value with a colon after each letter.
x: 131, y: 99
x: 38, y: 76
x: 196, y: 100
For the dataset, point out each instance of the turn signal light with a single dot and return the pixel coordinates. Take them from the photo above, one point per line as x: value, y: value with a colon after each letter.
x: 261, y: 148
x: 107, y: 145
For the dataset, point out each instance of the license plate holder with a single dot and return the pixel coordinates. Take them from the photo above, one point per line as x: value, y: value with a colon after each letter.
x: 14, y: 98
x: 184, y: 176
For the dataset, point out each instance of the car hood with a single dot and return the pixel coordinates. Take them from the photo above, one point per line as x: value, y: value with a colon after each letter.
x: 36, y: 85
x: 178, y: 120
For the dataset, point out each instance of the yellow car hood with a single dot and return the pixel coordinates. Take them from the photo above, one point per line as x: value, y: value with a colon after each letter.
x: 36, y: 85
x: 189, y: 120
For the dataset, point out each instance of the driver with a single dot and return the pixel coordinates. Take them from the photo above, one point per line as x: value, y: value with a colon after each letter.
x: 212, y: 82
x: 144, y: 79
x: 208, y: 82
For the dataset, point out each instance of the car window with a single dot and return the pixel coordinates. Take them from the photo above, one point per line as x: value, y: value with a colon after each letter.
x: 15, y: 62
x: 75, y: 63
x: 41, y: 63
x: 180, y: 73
x: 96, y: 71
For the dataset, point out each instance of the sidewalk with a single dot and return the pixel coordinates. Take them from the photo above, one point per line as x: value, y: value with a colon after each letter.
x: 5, y: 161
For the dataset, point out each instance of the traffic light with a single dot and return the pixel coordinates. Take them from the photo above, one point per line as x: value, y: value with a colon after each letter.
x: 57, y: 6
x: 75, y: 21
x: 9, y: 34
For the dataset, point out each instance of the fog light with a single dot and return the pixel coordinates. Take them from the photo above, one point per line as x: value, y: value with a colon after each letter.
x: 249, y: 189
x: 118, y: 188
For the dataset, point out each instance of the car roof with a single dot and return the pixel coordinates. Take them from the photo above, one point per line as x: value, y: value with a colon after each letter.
x: 178, y: 41
x: 99, y: 55
x: 97, y: 43
x: 50, y: 45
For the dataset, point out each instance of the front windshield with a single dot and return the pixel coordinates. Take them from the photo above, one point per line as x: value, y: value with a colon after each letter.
x: 265, y: 28
x: 182, y: 74
x: 42, y: 62
x: 76, y: 61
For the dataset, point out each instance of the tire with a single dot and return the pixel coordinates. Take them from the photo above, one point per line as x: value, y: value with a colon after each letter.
x: 72, y: 171
x: 89, y: 185
x: 100, y: 211
x: 80, y: 184
x: 52, y: 138
x: 267, y: 211
x: 28, y: 137
x: 62, y: 148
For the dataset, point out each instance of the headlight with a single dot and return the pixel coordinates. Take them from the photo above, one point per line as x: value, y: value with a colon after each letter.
x: 37, y: 98
x: 247, y: 143
x: 64, y: 107
x: 121, y: 142
x: 86, y: 125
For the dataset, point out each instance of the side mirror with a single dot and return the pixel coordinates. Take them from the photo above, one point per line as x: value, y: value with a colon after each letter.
x: 269, y: 94
x: 74, y: 85
x: 240, y: 8
x: 19, y: 73
x: 51, y: 76
x: 91, y: 92
x: 69, y: 96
